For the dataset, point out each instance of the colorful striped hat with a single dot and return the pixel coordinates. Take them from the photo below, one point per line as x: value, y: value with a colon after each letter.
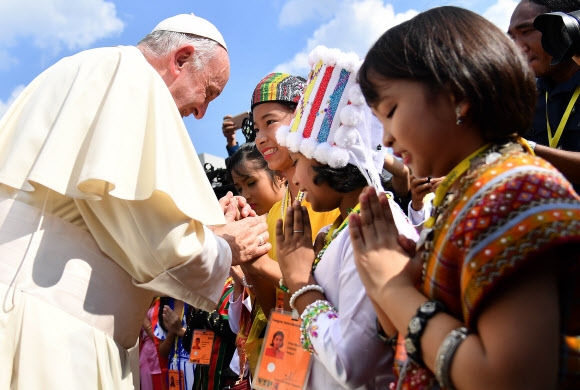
x: 278, y: 87
x: 333, y: 123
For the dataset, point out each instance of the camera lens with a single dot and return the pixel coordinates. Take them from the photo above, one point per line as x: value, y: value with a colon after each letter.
x: 560, y: 34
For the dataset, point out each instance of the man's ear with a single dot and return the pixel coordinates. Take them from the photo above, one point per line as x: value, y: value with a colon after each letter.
x: 180, y: 57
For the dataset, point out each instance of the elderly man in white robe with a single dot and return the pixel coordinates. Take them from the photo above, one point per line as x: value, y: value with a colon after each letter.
x: 104, y: 204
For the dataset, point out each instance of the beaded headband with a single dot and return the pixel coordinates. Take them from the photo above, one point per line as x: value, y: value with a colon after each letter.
x: 333, y: 123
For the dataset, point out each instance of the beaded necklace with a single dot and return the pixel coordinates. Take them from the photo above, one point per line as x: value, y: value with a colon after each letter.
x: 477, y: 161
x: 286, y: 200
x: 334, y: 230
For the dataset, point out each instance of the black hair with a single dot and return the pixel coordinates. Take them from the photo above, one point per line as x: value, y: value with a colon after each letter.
x: 278, y: 333
x: 343, y: 180
x: 248, y: 124
x: 248, y: 152
x: 450, y: 49
x: 557, y: 5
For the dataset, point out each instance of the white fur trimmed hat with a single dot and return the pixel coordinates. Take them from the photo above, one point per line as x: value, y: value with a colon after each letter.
x: 333, y: 123
x: 191, y: 24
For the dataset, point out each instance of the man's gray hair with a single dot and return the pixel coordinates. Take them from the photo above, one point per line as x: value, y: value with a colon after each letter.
x: 161, y: 43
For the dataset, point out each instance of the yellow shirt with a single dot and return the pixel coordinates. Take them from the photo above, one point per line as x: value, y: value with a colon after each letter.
x: 317, y: 222
x: 259, y: 319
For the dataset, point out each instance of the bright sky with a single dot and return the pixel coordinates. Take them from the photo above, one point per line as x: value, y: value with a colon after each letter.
x: 262, y: 36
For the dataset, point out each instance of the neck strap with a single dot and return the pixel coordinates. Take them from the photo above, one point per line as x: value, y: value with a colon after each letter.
x: 556, y: 138
x: 451, y: 177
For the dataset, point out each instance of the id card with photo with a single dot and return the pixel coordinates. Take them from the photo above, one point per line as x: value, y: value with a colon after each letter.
x: 201, y: 346
x: 283, y: 363
x: 175, y: 379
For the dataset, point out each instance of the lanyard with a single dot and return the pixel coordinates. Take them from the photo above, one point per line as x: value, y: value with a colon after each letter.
x: 443, y: 188
x: 336, y: 228
x: 554, y: 140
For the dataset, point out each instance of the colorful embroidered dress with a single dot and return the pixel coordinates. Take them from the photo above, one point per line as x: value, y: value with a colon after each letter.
x: 504, y: 215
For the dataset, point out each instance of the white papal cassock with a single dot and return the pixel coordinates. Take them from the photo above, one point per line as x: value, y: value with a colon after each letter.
x: 103, y: 203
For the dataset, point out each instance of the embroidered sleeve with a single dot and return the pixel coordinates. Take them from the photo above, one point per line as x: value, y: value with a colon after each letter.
x: 515, y: 213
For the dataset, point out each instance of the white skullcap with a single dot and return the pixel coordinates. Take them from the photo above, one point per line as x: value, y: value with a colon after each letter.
x: 191, y: 24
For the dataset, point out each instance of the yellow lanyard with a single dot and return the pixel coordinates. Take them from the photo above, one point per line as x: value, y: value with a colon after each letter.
x: 443, y: 188
x: 336, y: 228
x: 554, y: 140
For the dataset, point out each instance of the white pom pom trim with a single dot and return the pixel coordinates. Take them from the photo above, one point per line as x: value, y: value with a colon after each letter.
x: 282, y: 134
x: 355, y: 95
x: 323, y: 152
x: 308, y: 147
x: 345, y: 136
x: 338, y: 158
x: 293, y: 141
x: 351, y: 115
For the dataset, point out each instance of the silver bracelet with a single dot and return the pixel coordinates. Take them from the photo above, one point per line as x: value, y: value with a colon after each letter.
x: 445, y: 356
x: 245, y: 282
x: 300, y: 291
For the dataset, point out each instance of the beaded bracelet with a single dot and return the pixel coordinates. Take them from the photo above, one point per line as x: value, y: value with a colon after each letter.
x: 281, y: 285
x: 245, y: 282
x: 445, y: 356
x: 416, y: 328
x: 300, y: 291
x: 390, y: 341
x: 309, y: 316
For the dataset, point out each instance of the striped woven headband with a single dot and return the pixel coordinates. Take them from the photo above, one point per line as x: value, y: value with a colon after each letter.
x: 280, y: 87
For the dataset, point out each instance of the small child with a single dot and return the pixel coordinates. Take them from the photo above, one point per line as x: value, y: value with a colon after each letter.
x: 491, y: 299
x: 335, y: 145
x: 248, y: 171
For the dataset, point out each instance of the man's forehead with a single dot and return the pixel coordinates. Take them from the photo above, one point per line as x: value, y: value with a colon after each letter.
x: 526, y: 12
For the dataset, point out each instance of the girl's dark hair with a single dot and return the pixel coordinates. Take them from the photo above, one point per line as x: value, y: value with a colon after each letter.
x: 557, y: 5
x: 248, y: 152
x: 455, y: 50
x: 278, y: 333
x: 343, y: 180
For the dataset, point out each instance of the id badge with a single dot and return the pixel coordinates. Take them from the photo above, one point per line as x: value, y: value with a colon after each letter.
x: 175, y: 378
x: 279, y: 299
x: 201, y: 346
x: 283, y: 363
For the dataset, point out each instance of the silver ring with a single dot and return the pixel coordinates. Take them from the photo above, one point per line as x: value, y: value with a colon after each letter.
x: 298, y: 231
x: 260, y: 240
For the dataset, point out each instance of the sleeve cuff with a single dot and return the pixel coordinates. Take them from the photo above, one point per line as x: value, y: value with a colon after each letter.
x: 200, y: 280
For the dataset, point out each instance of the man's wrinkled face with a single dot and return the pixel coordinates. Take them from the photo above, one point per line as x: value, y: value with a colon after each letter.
x: 194, y: 89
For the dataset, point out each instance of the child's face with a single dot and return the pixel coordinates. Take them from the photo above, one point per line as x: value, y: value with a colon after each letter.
x: 421, y: 127
x: 278, y: 341
x: 257, y: 188
x: 321, y: 197
x: 268, y: 117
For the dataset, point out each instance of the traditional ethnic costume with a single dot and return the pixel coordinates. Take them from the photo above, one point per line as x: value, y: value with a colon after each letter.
x: 103, y: 203
x: 508, y: 211
x: 334, y: 126
x: 282, y: 88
